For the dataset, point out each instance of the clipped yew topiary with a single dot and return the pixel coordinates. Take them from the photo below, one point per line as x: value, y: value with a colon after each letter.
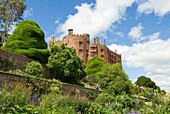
x: 28, y: 39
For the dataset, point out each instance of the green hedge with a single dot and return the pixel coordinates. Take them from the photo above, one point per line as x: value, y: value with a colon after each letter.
x: 28, y: 39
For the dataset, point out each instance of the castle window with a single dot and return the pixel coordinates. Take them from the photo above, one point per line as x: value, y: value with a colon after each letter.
x: 80, y: 52
x: 102, y: 56
x: 93, y: 54
x: 93, y: 48
x: 101, y: 50
x: 80, y: 44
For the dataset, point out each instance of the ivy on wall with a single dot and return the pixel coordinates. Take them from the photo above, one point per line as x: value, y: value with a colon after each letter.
x: 5, y: 64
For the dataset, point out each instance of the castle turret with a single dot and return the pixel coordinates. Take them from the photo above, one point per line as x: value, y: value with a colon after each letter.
x: 70, y: 31
x: 52, y: 38
x: 103, y: 41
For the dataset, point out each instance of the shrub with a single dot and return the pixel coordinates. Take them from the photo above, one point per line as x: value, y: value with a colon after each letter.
x: 104, y: 98
x: 94, y: 65
x: 123, y: 102
x: 34, y: 69
x: 28, y: 39
x: 14, y: 94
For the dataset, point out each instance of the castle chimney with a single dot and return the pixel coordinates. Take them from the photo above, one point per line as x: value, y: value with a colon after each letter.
x: 70, y: 31
x: 116, y: 51
x: 103, y: 41
x: 97, y: 40
x: 52, y: 38
x: 94, y: 40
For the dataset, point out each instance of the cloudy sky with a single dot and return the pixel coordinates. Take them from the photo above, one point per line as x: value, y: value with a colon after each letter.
x: 138, y: 29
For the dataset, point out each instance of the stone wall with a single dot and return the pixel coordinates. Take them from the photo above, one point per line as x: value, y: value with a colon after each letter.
x: 19, y: 61
x: 66, y: 88
x: 86, y: 50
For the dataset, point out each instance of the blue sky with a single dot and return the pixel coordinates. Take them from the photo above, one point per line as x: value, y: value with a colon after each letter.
x: 138, y: 29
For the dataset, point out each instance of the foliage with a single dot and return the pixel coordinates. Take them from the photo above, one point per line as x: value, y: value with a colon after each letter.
x: 104, y: 99
x: 91, y: 96
x: 145, y: 81
x: 14, y: 94
x: 28, y: 39
x: 5, y: 64
x: 15, y: 9
x: 18, y: 72
x: 94, y: 65
x: 34, y: 69
x: 123, y: 102
x: 113, y: 79
x: 148, y: 93
x: 65, y: 64
x: 30, y: 109
x: 81, y: 105
x: 1, y: 42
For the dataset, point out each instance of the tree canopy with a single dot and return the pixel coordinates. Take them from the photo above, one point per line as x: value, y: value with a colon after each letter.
x: 145, y: 81
x: 65, y: 64
x: 113, y: 79
x: 10, y: 13
x: 28, y: 39
x: 94, y: 65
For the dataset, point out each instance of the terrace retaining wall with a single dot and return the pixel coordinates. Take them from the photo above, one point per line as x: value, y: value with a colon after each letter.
x: 19, y: 61
x: 66, y: 88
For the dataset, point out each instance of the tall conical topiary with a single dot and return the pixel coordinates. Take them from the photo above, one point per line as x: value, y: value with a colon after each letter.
x: 28, y: 39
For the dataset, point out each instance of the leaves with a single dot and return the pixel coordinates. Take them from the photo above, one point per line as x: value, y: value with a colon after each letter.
x: 11, y: 12
x: 65, y: 64
x: 113, y: 79
x: 94, y: 65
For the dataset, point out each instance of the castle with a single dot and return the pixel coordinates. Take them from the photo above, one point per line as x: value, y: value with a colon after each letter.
x: 86, y: 50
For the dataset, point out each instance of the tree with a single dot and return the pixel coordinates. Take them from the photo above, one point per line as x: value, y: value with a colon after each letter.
x: 11, y: 12
x: 113, y: 79
x: 34, y: 69
x: 147, y: 82
x: 94, y: 65
x: 65, y: 64
x: 0, y: 39
x: 28, y: 39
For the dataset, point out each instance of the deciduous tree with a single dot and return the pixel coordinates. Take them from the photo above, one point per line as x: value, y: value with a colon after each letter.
x: 145, y: 81
x: 11, y: 11
x: 113, y: 79
x: 65, y: 64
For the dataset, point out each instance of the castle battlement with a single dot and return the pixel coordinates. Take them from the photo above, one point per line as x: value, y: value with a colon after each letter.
x: 86, y: 50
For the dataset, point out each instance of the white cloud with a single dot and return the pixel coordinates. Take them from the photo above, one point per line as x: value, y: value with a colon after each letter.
x: 159, y: 7
x: 12, y: 28
x: 136, y: 32
x: 151, y: 37
x: 57, y: 21
x: 120, y: 34
x: 28, y: 13
x: 153, y: 56
x: 95, y: 18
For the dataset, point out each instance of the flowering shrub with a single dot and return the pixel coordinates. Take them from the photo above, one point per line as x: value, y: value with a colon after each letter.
x: 14, y: 94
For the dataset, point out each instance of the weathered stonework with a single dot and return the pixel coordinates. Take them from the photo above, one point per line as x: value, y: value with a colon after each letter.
x: 66, y: 88
x: 19, y: 61
x: 86, y: 50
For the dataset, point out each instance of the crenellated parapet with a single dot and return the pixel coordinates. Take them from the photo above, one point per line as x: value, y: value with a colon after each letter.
x: 81, y: 42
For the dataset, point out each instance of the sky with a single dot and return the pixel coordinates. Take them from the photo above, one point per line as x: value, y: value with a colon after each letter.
x: 138, y: 29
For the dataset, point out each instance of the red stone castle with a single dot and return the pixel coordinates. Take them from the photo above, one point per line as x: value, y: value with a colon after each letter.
x: 86, y: 50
